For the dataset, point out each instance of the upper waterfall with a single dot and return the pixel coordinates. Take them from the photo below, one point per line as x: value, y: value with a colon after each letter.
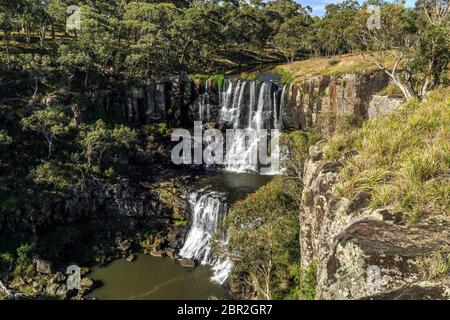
x: 246, y: 106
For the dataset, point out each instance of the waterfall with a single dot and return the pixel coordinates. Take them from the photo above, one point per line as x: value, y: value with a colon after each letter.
x: 264, y: 109
x: 208, y: 209
x: 246, y: 106
x: 203, y: 105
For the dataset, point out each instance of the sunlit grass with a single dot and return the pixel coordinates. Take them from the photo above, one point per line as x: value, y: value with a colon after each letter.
x: 403, y: 159
x: 350, y: 63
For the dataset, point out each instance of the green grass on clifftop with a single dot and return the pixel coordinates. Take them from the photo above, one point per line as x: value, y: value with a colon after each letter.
x: 403, y: 159
x: 327, y: 66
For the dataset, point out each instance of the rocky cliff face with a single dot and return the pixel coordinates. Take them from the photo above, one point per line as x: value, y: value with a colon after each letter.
x: 362, y: 253
x: 349, y: 94
x: 173, y: 99
x: 121, y: 200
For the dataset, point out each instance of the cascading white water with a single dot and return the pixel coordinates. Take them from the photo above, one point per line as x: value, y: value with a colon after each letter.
x: 203, y: 105
x: 208, y: 209
x: 265, y: 111
x: 243, y: 105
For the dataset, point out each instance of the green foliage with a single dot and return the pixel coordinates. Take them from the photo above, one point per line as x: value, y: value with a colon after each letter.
x: 50, y: 123
x: 295, y: 150
x: 160, y: 128
x: 52, y: 174
x: 263, y: 239
x: 100, y: 144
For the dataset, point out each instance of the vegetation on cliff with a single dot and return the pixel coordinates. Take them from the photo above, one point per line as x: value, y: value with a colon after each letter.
x: 402, y: 160
x: 263, y: 231
x: 55, y: 141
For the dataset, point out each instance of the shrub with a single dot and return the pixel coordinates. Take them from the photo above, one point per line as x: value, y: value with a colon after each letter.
x: 51, y: 174
x: 263, y: 239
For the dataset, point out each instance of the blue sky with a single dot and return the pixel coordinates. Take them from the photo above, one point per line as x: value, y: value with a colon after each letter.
x: 318, y: 6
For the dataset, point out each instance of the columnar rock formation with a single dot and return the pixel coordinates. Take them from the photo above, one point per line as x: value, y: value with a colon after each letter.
x: 177, y: 100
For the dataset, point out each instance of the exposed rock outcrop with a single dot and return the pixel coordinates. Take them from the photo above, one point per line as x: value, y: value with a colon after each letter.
x: 365, y: 253
x: 176, y: 100
x: 380, y: 106
x: 349, y: 94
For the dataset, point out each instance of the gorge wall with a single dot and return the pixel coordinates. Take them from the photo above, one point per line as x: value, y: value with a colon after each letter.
x: 362, y: 253
x: 179, y: 100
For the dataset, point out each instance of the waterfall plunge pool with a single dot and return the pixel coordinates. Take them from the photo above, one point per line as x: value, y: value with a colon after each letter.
x: 241, y: 104
x: 151, y: 278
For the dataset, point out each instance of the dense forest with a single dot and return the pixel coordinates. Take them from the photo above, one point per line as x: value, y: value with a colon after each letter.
x: 126, y: 40
x: 55, y: 140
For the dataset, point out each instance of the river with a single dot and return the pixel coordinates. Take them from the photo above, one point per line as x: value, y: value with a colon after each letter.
x: 243, y: 105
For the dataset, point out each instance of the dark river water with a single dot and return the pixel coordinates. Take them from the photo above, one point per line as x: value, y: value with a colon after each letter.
x: 152, y: 278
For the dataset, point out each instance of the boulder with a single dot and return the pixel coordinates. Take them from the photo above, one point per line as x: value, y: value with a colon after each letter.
x: 187, y: 263
x: 58, y: 278
x: 160, y: 243
x: 131, y: 258
x: 62, y: 291
x: 44, y: 266
x: 157, y: 253
x: 170, y: 252
x: 37, y: 287
x: 419, y: 291
x: 125, y: 245
x: 380, y: 106
x: 53, y: 288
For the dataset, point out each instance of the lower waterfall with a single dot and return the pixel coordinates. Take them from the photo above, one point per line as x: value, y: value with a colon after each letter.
x: 208, y: 209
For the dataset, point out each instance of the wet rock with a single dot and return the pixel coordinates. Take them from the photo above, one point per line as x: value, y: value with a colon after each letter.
x: 157, y: 253
x: 187, y: 263
x: 125, y: 245
x: 58, y: 278
x: 170, y: 252
x: 44, y: 266
x: 131, y: 258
